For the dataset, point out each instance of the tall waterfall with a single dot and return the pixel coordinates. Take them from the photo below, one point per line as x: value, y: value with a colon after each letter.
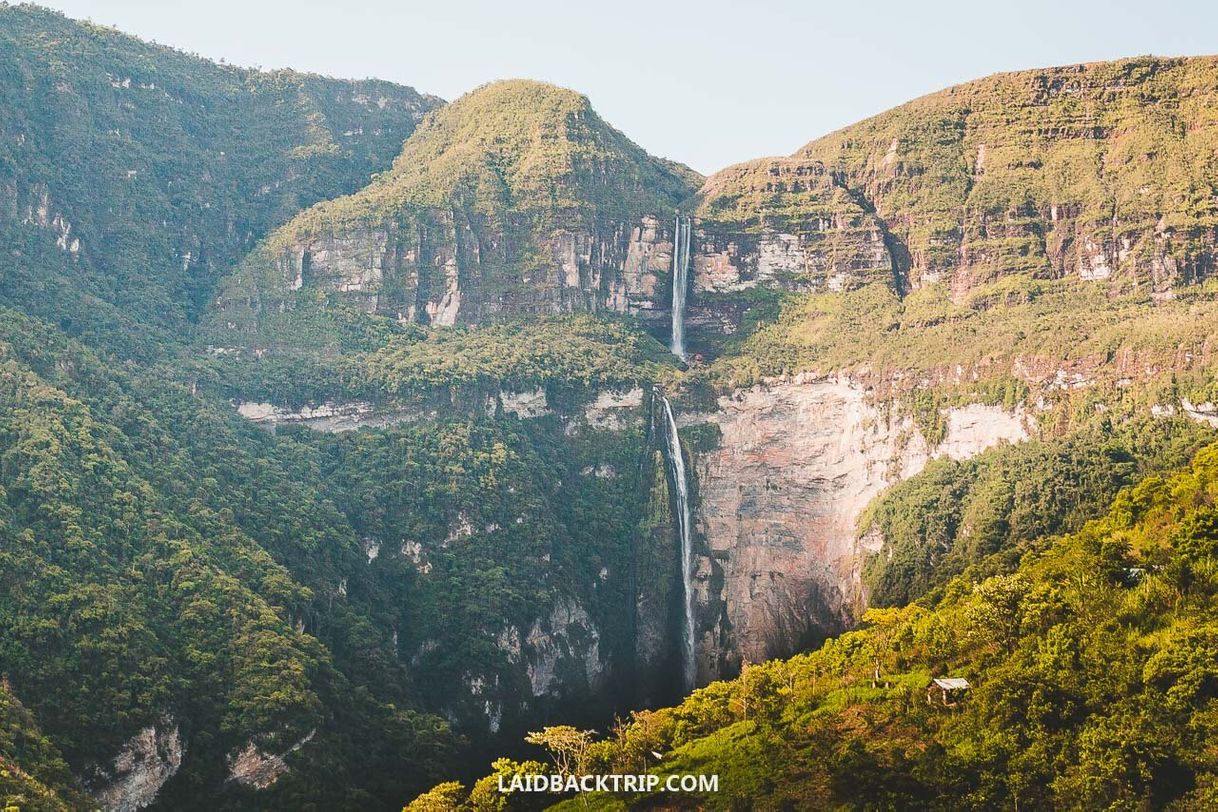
x: 680, y: 283
x: 676, y: 462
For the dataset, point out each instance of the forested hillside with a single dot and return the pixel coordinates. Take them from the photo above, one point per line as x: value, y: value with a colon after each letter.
x: 133, y: 177
x: 150, y: 586
x: 1091, y: 660
x: 195, y: 610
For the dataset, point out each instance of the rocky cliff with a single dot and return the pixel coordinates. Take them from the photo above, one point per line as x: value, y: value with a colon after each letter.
x: 516, y: 199
x: 1096, y: 171
x: 779, y: 494
x: 135, y: 776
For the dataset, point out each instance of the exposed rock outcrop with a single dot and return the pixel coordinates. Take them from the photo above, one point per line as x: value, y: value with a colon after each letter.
x: 447, y: 268
x: 331, y: 416
x: 135, y: 776
x: 1206, y: 413
x: 823, y: 238
x: 609, y: 410
x: 566, y: 639
x: 778, y: 502
x: 253, y: 767
x: 613, y: 409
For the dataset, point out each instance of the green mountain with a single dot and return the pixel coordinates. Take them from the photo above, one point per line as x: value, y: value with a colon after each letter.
x: 146, y: 624
x: 336, y: 451
x: 1102, y: 171
x: 153, y: 171
x: 1060, y: 217
x: 516, y: 199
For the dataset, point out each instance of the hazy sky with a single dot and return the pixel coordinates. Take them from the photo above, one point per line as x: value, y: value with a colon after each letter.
x: 708, y: 83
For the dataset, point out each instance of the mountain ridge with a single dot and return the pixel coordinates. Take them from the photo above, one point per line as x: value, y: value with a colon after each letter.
x: 132, y: 155
x: 932, y: 154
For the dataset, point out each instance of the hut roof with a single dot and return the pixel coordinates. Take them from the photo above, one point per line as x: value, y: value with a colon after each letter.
x: 953, y: 684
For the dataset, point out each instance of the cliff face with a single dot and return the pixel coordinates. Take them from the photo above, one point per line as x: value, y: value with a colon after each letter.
x: 778, y: 501
x: 1088, y: 171
x: 135, y: 776
x: 517, y: 199
x: 459, y: 267
x: 790, y: 224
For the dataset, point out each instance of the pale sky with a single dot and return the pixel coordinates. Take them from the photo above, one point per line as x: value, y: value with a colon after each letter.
x: 707, y: 83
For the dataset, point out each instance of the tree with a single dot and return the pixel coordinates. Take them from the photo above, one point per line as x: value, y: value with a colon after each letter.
x: 997, y: 609
x: 486, y: 795
x: 568, y: 747
x: 636, y: 739
x: 446, y: 797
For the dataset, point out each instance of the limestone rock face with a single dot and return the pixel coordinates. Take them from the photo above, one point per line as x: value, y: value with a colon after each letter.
x: 610, y: 409
x: 567, y: 639
x: 778, y: 503
x: 613, y: 409
x: 135, y: 776
x: 332, y: 416
x: 450, y: 267
x: 821, y: 238
x: 528, y: 404
x: 1206, y: 413
x: 255, y: 768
